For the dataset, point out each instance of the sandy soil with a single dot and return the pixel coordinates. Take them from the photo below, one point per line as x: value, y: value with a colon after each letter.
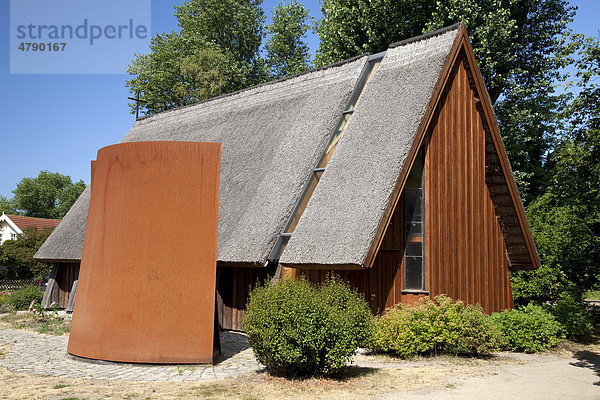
x: 545, y: 377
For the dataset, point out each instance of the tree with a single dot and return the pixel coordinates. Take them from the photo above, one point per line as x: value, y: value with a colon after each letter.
x: 566, y: 220
x: 182, y: 70
x: 216, y: 51
x: 233, y: 25
x: 49, y: 195
x: 7, y: 206
x: 515, y: 41
x: 352, y: 27
x: 17, y: 255
x: 287, y: 53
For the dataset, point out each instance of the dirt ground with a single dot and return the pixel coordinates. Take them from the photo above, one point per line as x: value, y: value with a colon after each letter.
x: 569, y: 373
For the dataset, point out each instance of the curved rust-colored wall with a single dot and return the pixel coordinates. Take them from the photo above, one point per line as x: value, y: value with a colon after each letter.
x: 146, y: 290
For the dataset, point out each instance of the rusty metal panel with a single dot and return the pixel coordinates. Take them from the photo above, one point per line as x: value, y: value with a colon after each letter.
x: 146, y: 289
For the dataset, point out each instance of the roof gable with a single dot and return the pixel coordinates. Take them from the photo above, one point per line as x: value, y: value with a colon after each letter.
x: 346, y: 219
x: 10, y: 223
x: 342, y: 217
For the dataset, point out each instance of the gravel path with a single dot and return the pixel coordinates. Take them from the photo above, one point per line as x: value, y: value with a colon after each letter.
x: 543, y: 377
x: 38, y: 354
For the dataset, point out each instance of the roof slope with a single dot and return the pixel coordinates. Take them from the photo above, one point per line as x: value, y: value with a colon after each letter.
x: 342, y: 217
x: 271, y: 135
x: 65, y: 243
x: 27, y: 222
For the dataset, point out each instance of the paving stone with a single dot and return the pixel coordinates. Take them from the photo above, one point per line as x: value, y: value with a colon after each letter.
x: 47, y: 355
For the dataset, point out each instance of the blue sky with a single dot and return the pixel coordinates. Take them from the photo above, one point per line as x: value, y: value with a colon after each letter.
x: 58, y: 122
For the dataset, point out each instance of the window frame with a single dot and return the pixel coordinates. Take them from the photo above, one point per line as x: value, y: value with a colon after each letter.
x: 416, y: 175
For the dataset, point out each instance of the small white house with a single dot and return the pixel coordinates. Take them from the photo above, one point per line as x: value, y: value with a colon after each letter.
x: 13, y: 225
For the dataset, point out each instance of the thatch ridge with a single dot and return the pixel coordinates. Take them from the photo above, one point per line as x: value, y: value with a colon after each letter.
x: 426, y: 35
x: 260, y: 85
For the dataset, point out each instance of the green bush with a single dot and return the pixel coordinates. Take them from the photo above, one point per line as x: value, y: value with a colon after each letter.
x: 434, y: 327
x: 4, y: 306
x: 297, y: 329
x: 572, y: 314
x: 529, y: 329
x: 21, y: 299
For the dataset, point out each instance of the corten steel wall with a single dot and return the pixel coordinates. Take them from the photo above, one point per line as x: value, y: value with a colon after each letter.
x: 146, y: 290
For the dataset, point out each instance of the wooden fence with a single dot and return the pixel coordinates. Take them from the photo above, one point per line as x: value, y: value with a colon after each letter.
x: 13, y: 285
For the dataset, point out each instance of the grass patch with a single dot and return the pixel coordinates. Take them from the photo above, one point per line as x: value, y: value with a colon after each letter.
x: 60, y: 386
x: 592, y: 295
x: 47, y: 324
x: 215, y: 391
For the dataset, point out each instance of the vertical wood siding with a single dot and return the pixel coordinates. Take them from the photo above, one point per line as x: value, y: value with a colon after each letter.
x: 465, y: 247
x: 233, y: 286
x: 66, y: 273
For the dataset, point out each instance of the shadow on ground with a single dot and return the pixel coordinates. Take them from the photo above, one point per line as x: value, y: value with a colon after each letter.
x: 588, y: 359
x: 232, y: 343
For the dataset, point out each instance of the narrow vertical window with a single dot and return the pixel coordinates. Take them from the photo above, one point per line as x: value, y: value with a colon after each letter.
x: 414, y: 274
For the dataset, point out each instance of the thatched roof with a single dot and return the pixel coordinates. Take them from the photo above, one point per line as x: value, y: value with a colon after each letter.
x: 274, y: 135
x: 369, y: 157
x: 65, y: 243
x: 271, y: 135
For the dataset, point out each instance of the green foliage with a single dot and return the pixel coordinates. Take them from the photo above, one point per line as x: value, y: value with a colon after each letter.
x: 215, y: 52
x: 352, y: 27
x: 4, y: 306
x: 297, y: 329
x: 435, y: 327
x: 529, y: 329
x: 181, y: 70
x: 569, y: 249
x: 287, y: 53
x: 576, y: 319
x: 235, y: 26
x: 565, y: 221
x: 7, y: 206
x: 17, y: 255
x: 49, y: 195
x: 23, y: 298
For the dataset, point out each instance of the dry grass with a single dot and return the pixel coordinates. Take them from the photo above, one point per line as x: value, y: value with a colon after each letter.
x: 355, y: 383
x: 47, y: 323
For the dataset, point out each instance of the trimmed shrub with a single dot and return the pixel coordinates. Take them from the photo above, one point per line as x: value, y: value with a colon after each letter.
x: 434, y: 327
x: 22, y: 298
x: 297, y: 329
x: 528, y: 329
x: 571, y: 313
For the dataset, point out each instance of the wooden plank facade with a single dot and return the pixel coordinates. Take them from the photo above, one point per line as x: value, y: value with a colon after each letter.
x: 62, y: 278
x: 233, y: 286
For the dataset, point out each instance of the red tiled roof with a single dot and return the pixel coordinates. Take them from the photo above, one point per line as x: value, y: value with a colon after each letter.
x: 39, y: 223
